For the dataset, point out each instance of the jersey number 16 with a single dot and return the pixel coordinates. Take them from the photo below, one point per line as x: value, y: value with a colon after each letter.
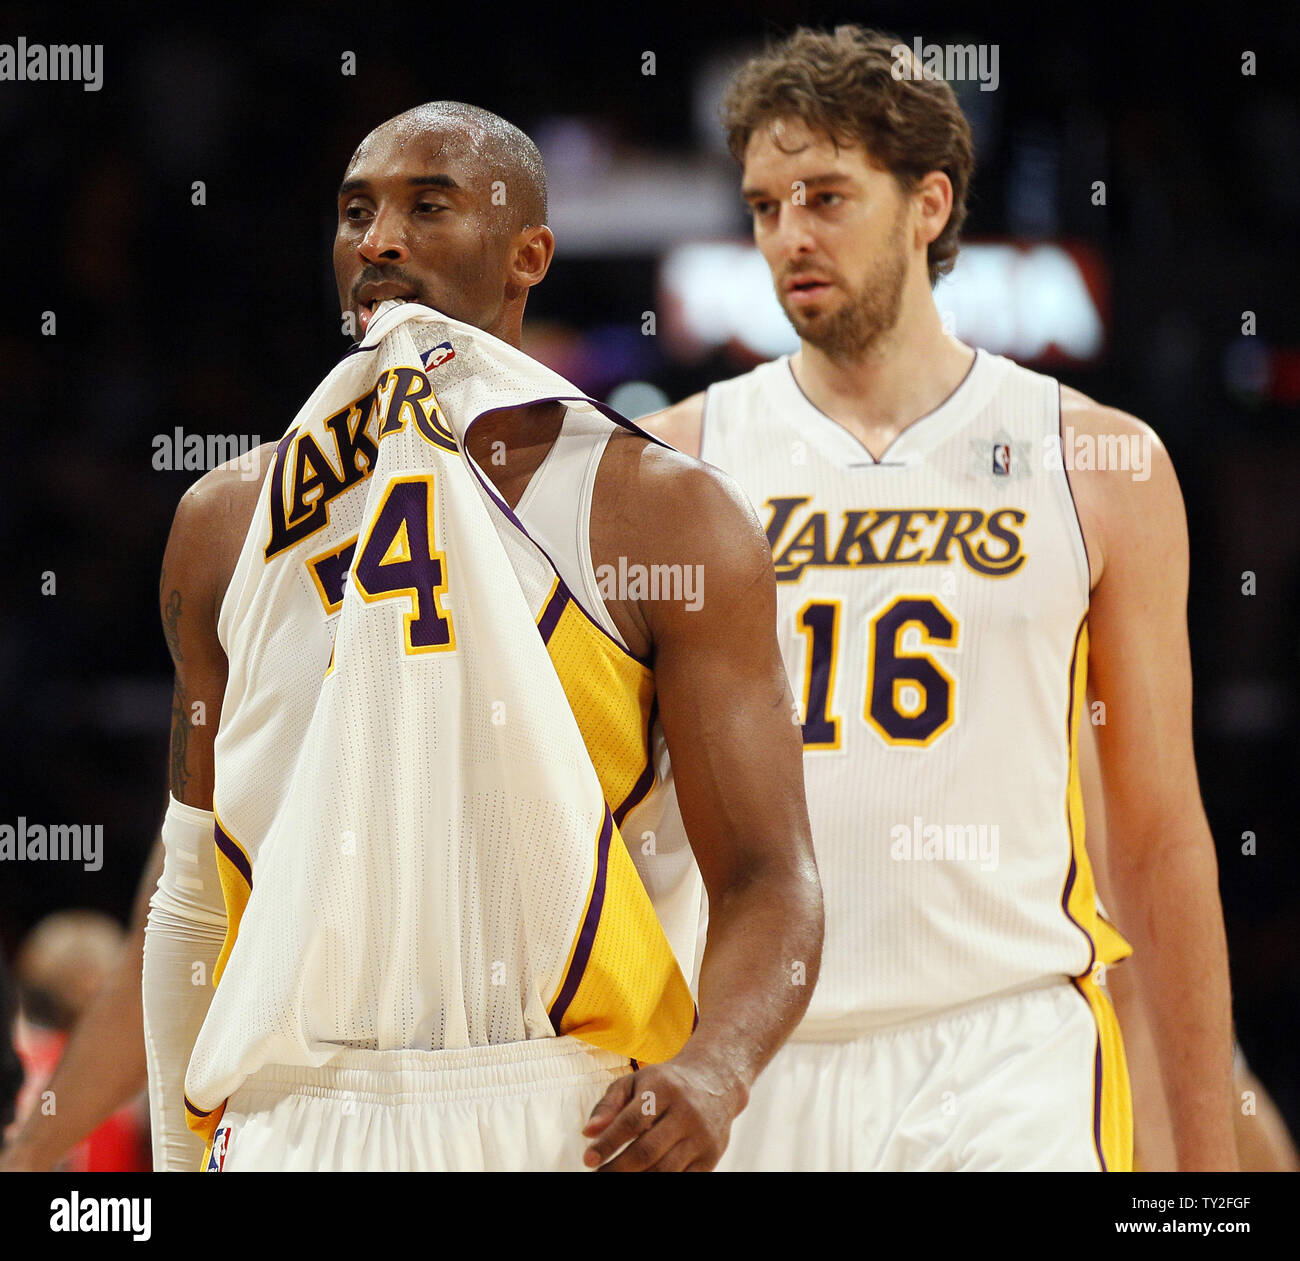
x: 910, y: 697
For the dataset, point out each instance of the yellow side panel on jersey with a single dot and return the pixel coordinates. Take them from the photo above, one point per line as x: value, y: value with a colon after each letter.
x: 1112, y: 1096
x: 1079, y: 897
x: 611, y: 695
x: 236, y: 872
x: 204, y: 1124
x: 1111, y: 944
x: 622, y: 990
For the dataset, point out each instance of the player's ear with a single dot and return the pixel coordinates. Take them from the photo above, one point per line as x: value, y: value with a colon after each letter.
x: 531, y: 253
x: 932, y: 198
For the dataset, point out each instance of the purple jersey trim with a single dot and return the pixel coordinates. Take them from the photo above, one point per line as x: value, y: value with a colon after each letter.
x: 587, y: 935
x: 238, y: 859
x: 1097, y: 1078
x: 1069, y: 821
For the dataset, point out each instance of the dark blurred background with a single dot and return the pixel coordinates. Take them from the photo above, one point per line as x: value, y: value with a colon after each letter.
x: 220, y: 318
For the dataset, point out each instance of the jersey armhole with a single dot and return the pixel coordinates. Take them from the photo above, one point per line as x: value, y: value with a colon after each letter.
x: 591, y: 593
x: 1081, y: 544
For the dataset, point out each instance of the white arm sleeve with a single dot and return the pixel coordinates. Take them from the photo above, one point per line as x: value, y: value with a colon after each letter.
x: 182, y: 938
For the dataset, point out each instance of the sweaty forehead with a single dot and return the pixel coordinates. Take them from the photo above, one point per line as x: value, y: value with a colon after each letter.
x: 410, y: 147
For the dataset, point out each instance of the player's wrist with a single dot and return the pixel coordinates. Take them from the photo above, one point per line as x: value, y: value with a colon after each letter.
x: 724, y: 1069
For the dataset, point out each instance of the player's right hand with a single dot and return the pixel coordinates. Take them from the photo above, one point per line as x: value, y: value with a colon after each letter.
x: 664, y: 1118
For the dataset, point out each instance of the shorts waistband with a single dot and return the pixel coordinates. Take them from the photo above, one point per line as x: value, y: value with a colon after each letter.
x: 410, y: 1076
x: 853, y: 1027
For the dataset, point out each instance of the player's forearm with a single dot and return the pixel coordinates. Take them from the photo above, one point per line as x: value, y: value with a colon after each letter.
x: 187, y: 924
x: 1170, y: 908
x: 760, y: 965
x: 179, y: 959
x: 102, y: 1068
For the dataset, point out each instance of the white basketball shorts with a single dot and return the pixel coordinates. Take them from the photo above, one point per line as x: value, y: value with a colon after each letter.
x: 1031, y: 1080
x: 516, y: 1106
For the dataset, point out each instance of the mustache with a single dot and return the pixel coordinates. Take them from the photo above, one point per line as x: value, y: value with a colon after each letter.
x: 799, y: 269
x: 371, y: 275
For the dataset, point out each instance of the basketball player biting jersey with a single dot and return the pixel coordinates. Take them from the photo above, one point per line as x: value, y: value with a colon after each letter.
x: 947, y: 593
x: 419, y: 221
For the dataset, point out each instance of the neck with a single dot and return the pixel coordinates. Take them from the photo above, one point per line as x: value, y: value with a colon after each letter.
x: 509, y: 332
x: 904, y: 375
x: 509, y: 322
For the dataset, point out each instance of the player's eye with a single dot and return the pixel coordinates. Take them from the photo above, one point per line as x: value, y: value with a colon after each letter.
x: 761, y: 209
x: 355, y: 214
x: 425, y: 207
x: 830, y: 199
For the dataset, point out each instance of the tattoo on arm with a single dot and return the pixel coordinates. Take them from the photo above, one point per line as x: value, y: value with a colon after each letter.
x: 171, y: 618
x: 171, y: 623
x: 180, y: 774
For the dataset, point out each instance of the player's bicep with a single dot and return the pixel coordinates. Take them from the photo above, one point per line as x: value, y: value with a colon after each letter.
x: 1140, y: 658
x: 728, y: 714
x: 187, y: 607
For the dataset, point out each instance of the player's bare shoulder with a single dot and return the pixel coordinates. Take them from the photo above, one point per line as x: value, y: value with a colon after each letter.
x: 1086, y: 416
x: 669, y: 501
x: 225, y: 495
x: 1120, y: 473
x: 210, y: 524
x: 680, y: 425
x: 668, y: 513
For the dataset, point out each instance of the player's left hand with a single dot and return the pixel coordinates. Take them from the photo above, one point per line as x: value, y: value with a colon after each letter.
x: 666, y: 1117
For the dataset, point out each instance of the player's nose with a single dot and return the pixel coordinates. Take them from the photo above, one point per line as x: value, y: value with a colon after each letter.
x: 383, y: 241
x: 794, y: 230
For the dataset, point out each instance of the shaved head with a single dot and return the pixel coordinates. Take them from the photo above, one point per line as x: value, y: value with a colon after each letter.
x: 443, y: 205
x: 504, y: 152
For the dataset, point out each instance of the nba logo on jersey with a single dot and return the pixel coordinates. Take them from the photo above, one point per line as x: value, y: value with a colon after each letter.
x: 217, y: 1158
x: 437, y: 356
x: 1002, y: 458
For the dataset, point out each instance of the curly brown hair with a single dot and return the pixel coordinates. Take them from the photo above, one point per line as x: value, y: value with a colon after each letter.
x: 843, y: 85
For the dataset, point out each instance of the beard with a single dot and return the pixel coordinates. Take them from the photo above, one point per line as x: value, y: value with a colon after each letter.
x: 866, y: 314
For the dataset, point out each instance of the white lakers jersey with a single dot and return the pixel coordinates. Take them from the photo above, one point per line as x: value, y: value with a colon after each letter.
x: 932, y: 616
x: 426, y: 748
